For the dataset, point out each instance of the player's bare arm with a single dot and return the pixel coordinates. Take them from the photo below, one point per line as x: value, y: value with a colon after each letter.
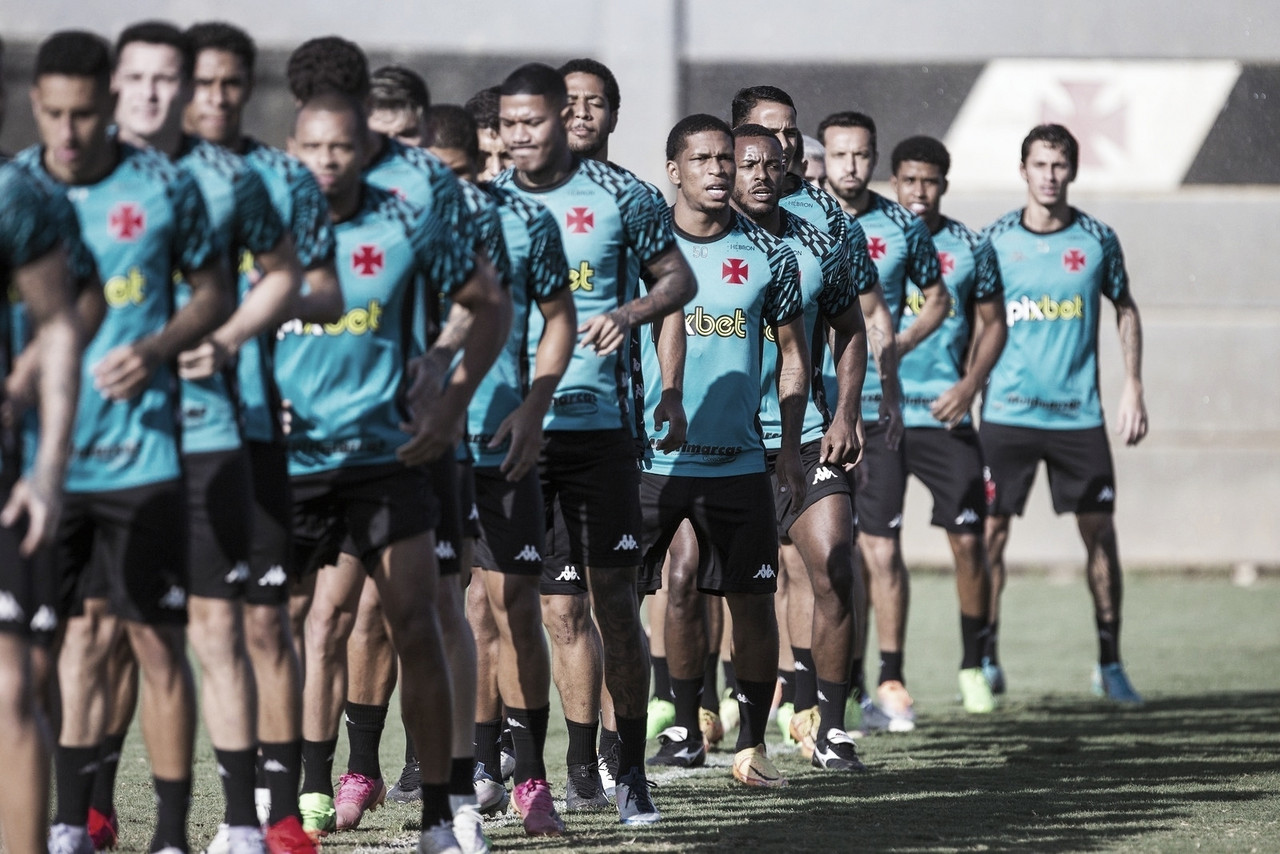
x: 671, y: 285
x: 990, y: 334
x: 884, y: 349
x: 320, y: 301
x: 936, y: 303
x: 671, y: 346
x: 1133, y: 409
x: 843, y: 440
x: 793, y: 397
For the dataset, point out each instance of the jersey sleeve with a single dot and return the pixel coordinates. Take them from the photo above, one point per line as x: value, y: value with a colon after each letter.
x: 194, y: 241
x: 837, y: 293
x: 29, y: 226
x: 646, y: 222
x: 862, y: 270
x: 488, y: 224
x: 783, y: 300
x: 444, y: 238
x: 547, y: 262
x: 1115, y: 278
x: 987, y: 284
x: 922, y: 256
x: 258, y: 226
x: 309, y: 219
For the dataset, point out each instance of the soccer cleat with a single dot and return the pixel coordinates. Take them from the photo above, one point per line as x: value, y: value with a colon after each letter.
x: 468, y: 825
x: 729, y: 711
x: 1110, y: 681
x: 995, y: 675
x: 836, y: 752
x: 221, y: 842
x: 533, y: 804
x: 507, y: 756
x: 662, y: 714
x: 69, y: 839
x: 237, y: 840
x: 607, y: 765
x: 104, y: 830
x: 262, y: 805
x: 635, y: 802
x: 357, y: 794
x: 408, y: 789
x: 893, y: 710
x: 712, y: 729
x: 491, y: 796
x: 318, y: 815
x: 753, y: 767
x: 438, y: 840
x: 678, y: 749
x: 784, y: 714
x: 975, y: 692
x: 584, y: 790
x: 804, y: 729
x: 286, y: 836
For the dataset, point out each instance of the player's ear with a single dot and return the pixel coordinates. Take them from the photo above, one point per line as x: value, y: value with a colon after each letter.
x: 673, y: 173
x: 613, y: 121
x: 943, y: 186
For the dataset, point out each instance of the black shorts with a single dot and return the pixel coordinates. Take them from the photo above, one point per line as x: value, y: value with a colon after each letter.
x: 949, y: 464
x: 467, y: 495
x: 219, y: 516
x: 271, y: 546
x: 27, y: 607
x: 444, y: 486
x: 591, y: 498
x: 128, y: 546
x: 1081, y: 477
x: 512, y: 524
x: 733, y: 520
x: 821, y: 479
x: 360, y: 511
x: 881, y: 480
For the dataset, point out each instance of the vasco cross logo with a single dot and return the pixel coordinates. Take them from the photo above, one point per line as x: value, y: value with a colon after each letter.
x: 734, y: 271
x: 580, y: 220
x: 367, y: 260
x: 126, y: 221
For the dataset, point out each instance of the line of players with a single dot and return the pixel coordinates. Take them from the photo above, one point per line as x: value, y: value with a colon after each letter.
x: 733, y: 329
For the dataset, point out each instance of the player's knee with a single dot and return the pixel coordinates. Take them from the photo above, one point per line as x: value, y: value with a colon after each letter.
x: 327, y: 629
x: 266, y: 630
x: 567, y: 618
x: 878, y: 553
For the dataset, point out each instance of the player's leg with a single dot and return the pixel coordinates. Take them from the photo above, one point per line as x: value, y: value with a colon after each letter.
x: 661, y: 712
x: 800, y: 614
x: 488, y: 720
x: 122, y: 703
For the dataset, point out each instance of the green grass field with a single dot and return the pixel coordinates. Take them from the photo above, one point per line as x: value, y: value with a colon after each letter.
x: 1198, y: 769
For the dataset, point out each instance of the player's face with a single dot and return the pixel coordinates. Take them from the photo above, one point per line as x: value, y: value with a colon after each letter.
x: 494, y: 158
x: 331, y: 145
x: 592, y: 120
x: 920, y: 187
x: 704, y: 171
x: 532, y: 130
x: 72, y: 115
x: 781, y: 120
x: 403, y: 125
x: 815, y: 171
x: 851, y: 157
x: 755, y: 189
x: 458, y: 161
x: 221, y: 90
x: 150, y: 90
x: 1047, y: 172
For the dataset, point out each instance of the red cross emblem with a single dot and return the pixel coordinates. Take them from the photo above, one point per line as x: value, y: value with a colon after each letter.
x: 734, y: 271
x: 1092, y: 117
x: 876, y: 247
x: 1073, y: 260
x: 126, y: 221
x: 947, y: 262
x: 580, y: 220
x: 367, y: 260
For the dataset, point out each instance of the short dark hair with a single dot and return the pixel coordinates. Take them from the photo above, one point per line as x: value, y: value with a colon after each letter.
x: 483, y: 107
x: 328, y: 62
x: 750, y: 130
x: 848, y: 119
x: 451, y: 126
x: 334, y: 101
x: 1054, y: 136
x: 599, y: 69
x: 394, y: 87
x: 677, y: 140
x: 536, y: 78
x: 159, y: 32
x: 219, y: 35
x: 75, y: 53
x: 749, y: 98
x: 921, y: 149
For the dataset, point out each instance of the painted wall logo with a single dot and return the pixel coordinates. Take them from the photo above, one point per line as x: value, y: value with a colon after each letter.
x: 126, y: 221
x: 734, y: 271
x: 701, y: 323
x: 580, y: 220
x: 1046, y: 308
x: 367, y: 260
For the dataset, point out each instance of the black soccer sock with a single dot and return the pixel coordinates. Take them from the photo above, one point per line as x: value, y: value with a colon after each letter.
x: 806, y: 679
x: 631, y: 733
x: 609, y: 742
x: 891, y: 667
x: 971, y: 640
x: 582, y: 743
x: 104, y: 779
x: 1108, y: 642
x: 661, y: 678
x: 688, y: 698
x: 364, y: 733
x: 753, y: 712
x: 237, y: 769
x: 281, y: 767
x: 990, y: 638
x: 788, y: 680
x: 410, y: 755
x: 730, y: 677
x: 488, y: 751
x: 317, y: 766
x: 435, y: 805
x: 529, y: 732
x: 173, y: 801
x: 710, y: 697
x: 74, y: 768
x: 461, y: 774
x: 832, y: 697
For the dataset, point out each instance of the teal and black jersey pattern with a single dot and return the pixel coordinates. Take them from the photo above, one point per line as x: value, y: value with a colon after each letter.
x: 971, y: 276
x: 142, y: 222
x: 1047, y: 376
x: 302, y: 209
x: 243, y: 221
x: 902, y: 249
x: 748, y: 280
x: 608, y: 221
x: 827, y: 291
x: 536, y: 270
x: 344, y: 379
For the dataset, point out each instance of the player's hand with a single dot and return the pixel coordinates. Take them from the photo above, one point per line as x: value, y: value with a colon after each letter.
x: 41, y: 506
x: 1133, y: 414
x: 203, y: 360
x: 124, y: 372
x: 842, y: 443
x: 426, y: 384
x: 954, y: 404
x: 891, y: 420
x: 791, y: 482
x: 605, y: 332
x: 524, y: 427
x: 670, y: 411
x: 434, y: 432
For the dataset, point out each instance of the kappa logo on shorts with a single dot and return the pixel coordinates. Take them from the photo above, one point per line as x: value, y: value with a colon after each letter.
x: 444, y: 551
x: 174, y: 599
x: 823, y: 474
x: 1106, y: 495
x: 569, y: 573
x: 238, y: 574
x: 968, y: 517
x: 474, y: 514
x: 896, y: 521
x: 626, y: 544
x: 273, y: 577
x: 10, y: 610
x: 765, y: 572
x: 45, y: 620
x: 529, y: 553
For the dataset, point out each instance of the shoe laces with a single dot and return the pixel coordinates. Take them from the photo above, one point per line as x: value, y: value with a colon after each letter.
x: 638, y: 791
x: 585, y: 779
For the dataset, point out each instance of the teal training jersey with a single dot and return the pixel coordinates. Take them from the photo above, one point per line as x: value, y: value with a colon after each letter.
x: 344, y: 379
x: 243, y: 220
x: 608, y: 221
x: 1047, y: 376
x: 302, y: 209
x: 142, y: 222
x: 536, y: 271
x: 902, y: 249
x: 971, y: 276
x: 747, y: 280
x: 828, y: 291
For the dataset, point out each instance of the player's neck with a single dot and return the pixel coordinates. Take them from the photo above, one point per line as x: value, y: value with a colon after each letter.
x: 167, y: 140
x: 344, y: 207
x: 556, y: 170
x: 856, y: 206
x: 770, y: 222
x: 700, y: 223
x: 601, y: 154
x: 1045, y: 219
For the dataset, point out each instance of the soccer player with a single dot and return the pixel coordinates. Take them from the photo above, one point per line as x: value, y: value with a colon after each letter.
x: 1042, y: 400
x: 33, y: 263
x: 901, y: 248
x: 940, y: 379
x: 815, y: 161
x: 588, y: 465
x: 121, y: 547
x: 820, y: 523
x: 494, y: 157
